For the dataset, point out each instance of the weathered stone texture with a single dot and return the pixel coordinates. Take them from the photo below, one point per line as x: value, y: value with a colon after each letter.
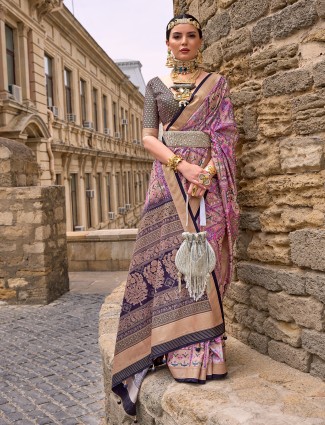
x: 275, y: 117
x: 300, y: 15
x: 287, y: 82
x: 273, y: 59
x: 315, y: 285
x: 308, y: 248
x: 304, y: 311
x: 314, y: 342
x: 270, y: 248
x: 218, y: 27
x: 319, y: 74
x: 309, y: 112
x: 302, y: 154
x: 237, y: 43
x: 320, y: 7
x: 295, y: 357
x: 290, y: 333
x: 245, y: 11
x: 272, y: 55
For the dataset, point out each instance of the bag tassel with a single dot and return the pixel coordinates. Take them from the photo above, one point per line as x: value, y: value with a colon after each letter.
x: 195, y: 259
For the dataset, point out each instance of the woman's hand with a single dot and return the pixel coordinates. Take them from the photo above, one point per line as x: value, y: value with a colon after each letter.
x: 191, y: 172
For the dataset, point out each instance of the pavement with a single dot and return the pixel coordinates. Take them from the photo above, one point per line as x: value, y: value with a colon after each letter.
x: 50, y: 366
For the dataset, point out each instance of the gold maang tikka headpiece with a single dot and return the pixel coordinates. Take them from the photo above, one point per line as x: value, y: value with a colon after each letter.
x: 178, y: 21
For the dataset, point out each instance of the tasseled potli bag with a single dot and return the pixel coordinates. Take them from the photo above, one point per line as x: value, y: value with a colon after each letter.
x: 195, y: 259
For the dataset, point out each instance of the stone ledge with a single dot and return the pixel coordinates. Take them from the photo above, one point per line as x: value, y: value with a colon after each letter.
x: 258, y: 390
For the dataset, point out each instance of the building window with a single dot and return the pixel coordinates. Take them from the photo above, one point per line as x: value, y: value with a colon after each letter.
x: 68, y: 91
x: 108, y: 185
x: 83, y: 100
x: 105, y: 123
x: 58, y: 179
x: 88, y: 199
x: 95, y: 110
x: 49, y: 79
x: 99, y: 197
x: 74, y: 200
x: 10, y: 55
x: 137, y: 129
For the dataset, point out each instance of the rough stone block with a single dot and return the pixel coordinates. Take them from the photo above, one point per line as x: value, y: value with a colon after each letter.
x: 320, y: 7
x: 253, y: 193
x: 242, y: 243
x: 287, y: 82
x: 270, y: 248
x: 262, y: 31
x: 295, y: 357
x: 237, y: 43
x: 293, y: 18
x: 308, y: 248
x: 305, y: 311
x: 212, y: 56
x: 275, y: 117
x: 246, y: 93
x: 16, y: 283
x: 274, y: 59
x: 250, y: 220
x: 302, y: 154
x: 217, y: 27
x: 239, y: 331
x: 246, y: 11
x: 258, y: 298
x: 250, y: 317
x: 258, y: 342
x: 206, y: 11
x: 309, y: 112
x: 317, y: 367
x: 314, y: 342
x: 237, y: 70
x: 224, y: 4
x: 289, y: 333
x: 315, y: 285
x: 256, y: 274
x: 285, y: 219
x: 6, y: 218
x: 250, y: 128
x: 30, y: 217
x: 260, y: 158
x: 239, y: 292
x: 319, y: 74
x: 34, y: 248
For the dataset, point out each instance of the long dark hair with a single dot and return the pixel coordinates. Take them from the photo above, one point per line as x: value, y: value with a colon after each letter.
x: 184, y: 15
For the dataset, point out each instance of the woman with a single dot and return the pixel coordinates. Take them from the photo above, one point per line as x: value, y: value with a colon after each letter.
x: 196, y: 159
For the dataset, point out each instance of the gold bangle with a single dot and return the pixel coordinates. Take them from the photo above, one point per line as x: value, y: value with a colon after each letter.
x: 211, y: 169
x: 173, y: 161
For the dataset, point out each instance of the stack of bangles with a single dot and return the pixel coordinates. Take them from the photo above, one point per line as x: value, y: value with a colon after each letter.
x: 173, y: 161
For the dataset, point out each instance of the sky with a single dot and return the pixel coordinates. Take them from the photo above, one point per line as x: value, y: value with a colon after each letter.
x: 128, y: 29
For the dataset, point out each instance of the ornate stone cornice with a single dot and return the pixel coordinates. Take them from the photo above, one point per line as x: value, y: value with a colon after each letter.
x: 43, y: 7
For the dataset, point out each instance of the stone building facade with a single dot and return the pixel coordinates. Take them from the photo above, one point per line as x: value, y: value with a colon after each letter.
x: 272, y: 52
x: 62, y: 96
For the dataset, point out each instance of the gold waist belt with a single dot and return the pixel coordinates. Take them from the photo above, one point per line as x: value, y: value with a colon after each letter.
x: 194, y: 139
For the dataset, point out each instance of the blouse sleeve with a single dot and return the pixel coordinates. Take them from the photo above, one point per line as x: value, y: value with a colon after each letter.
x: 150, y: 111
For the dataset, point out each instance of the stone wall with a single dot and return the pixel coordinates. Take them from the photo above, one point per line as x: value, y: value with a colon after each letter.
x: 272, y: 53
x: 33, y: 247
x: 100, y: 250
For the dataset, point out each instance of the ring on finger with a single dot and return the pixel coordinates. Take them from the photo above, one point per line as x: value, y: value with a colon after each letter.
x: 204, y: 179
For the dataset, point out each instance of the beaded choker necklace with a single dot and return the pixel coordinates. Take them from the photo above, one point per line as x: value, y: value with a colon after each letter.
x: 184, y: 67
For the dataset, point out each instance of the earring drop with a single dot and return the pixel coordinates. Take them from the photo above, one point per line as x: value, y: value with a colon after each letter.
x: 170, y: 59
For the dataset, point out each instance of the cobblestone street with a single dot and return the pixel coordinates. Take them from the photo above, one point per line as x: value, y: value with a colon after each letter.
x: 50, y: 366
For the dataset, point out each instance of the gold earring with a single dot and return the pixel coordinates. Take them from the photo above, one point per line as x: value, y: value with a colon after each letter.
x: 170, y: 59
x: 199, y: 57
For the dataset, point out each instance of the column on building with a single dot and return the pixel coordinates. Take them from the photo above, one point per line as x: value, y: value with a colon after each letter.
x: 3, y: 57
x: 23, y: 61
x: 82, y: 191
x: 104, y: 190
x: 94, y: 208
x: 66, y: 159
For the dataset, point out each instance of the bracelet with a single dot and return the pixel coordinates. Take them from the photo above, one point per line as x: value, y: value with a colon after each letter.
x: 211, y: 169
x: 173, y: 161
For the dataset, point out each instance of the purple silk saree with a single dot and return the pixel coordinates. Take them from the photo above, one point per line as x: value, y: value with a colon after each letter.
x: 156, y: 319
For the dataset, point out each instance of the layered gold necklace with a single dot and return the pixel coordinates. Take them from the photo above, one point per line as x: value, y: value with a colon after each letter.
x: 184, y: 86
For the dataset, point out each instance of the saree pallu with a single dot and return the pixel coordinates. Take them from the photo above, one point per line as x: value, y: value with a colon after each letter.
x: 156, y: 318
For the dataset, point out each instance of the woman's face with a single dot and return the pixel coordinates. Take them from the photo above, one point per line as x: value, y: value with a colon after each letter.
x: 184, y: 42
